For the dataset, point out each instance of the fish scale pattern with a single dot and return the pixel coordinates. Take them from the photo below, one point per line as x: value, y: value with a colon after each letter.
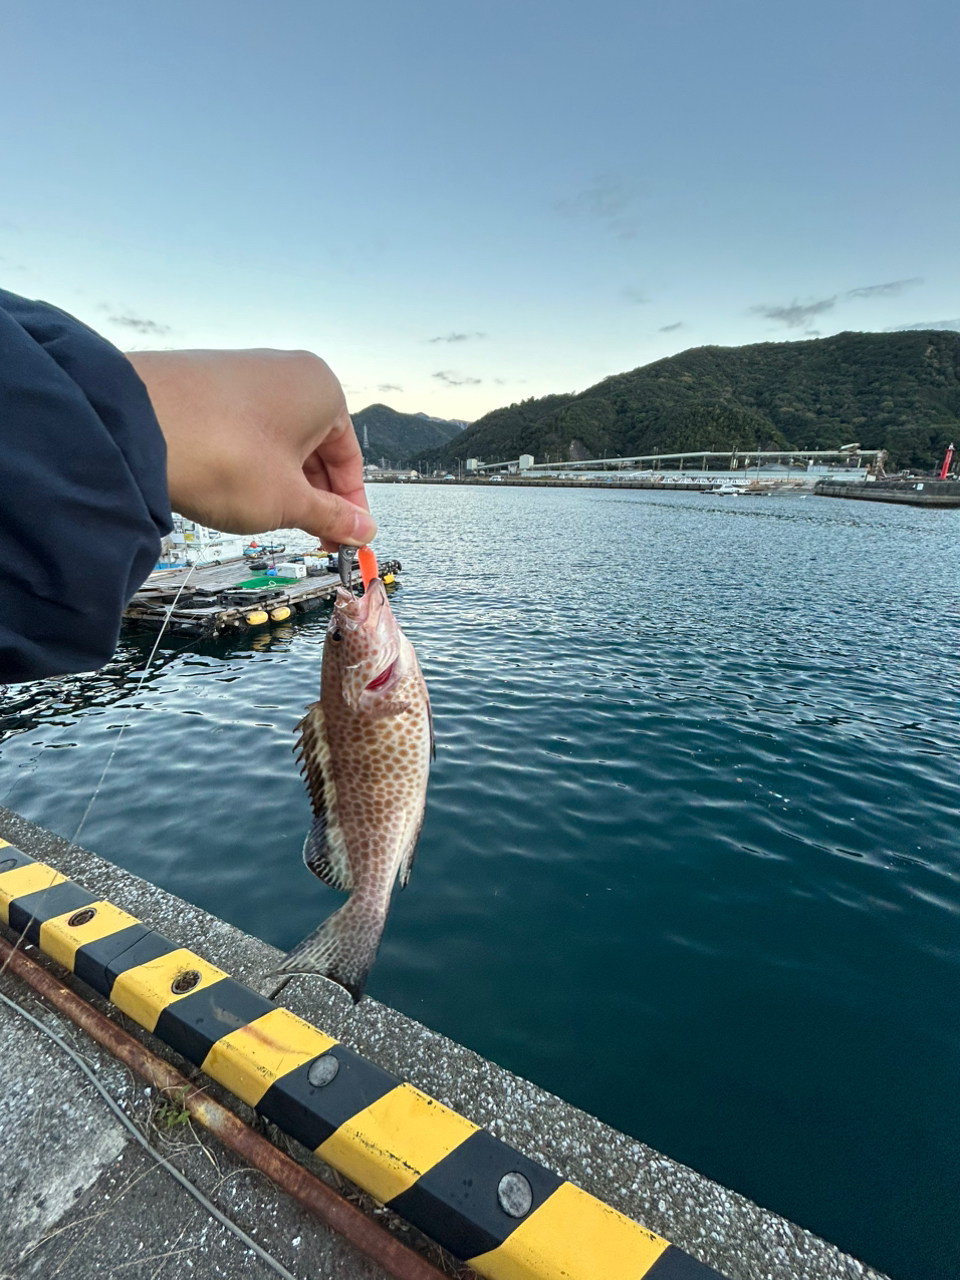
x: 508, y: 1216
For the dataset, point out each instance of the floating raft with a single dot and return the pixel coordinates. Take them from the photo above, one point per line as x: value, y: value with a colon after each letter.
x: 217, y: 599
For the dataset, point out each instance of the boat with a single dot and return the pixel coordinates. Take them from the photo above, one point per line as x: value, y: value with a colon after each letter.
x: 194, y: 544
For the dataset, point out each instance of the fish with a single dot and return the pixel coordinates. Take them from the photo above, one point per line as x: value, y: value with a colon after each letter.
x: 365, y: 749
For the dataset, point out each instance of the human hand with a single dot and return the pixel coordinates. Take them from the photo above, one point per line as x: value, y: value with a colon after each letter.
x: 258, y: 440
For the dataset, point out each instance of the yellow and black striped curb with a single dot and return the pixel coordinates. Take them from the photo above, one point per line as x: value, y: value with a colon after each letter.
x: 509, y: 1217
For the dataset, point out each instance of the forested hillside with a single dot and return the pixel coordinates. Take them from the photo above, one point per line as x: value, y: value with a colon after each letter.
x: 398, y: 436
x: 895, y: 391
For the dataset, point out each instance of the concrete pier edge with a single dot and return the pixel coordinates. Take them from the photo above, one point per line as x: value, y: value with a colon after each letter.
x: 717, y: 1226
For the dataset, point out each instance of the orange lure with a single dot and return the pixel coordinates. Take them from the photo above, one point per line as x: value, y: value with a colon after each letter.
x: 367, y: 563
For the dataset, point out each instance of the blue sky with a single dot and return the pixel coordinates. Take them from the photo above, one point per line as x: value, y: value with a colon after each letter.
x: 463, y: 204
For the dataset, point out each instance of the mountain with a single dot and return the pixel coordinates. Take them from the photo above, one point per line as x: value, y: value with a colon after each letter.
x: 396, y: 436
x: 893, y: 391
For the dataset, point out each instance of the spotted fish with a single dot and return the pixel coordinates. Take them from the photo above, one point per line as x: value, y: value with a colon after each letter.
x: 366, y: 748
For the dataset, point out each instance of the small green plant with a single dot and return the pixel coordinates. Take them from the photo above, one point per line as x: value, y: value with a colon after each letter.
x: 170, y: 1112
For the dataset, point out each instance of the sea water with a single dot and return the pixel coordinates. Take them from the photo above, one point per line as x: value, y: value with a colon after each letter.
x: 690, y: 857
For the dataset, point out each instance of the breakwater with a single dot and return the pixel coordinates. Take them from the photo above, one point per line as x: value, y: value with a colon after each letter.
x: 925, y: 492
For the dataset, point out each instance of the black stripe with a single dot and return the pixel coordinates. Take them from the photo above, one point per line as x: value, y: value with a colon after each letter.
x: 11, y: 857
x: 193, y: 1024
x: 310, y: 1113
x: 674, y: 1264
x: 456, y: 1203
x: 28, y: 913
x: 100, y: 963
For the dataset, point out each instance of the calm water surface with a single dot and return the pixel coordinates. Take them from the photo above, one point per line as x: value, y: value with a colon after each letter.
x: 690, y: 857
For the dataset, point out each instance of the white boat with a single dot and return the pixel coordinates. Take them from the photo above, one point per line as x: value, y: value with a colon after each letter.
x: 194, y: 544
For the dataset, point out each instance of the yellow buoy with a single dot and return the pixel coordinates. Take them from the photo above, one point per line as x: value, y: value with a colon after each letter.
x: 280, y: 614
x: 256, y: 618
x: 388, y: 579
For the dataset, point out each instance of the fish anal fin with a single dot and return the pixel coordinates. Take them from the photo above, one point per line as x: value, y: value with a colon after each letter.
x: 406, y: 862
x: 326, y: 863
x: 324, y: 850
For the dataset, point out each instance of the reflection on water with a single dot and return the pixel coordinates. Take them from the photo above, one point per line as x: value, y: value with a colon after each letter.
x: 695, y: 806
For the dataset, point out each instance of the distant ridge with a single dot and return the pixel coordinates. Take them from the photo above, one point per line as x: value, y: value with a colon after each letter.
x: 397, y: 437
x: 895, y: 391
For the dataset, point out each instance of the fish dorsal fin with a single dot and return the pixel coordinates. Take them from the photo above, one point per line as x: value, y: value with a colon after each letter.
x: 324, y: 850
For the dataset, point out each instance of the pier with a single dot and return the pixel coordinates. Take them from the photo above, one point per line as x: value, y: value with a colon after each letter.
x: 919, y: 491
x: 84, y: 1200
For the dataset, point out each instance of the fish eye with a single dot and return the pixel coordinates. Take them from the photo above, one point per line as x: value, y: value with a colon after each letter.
x: 335, y: 636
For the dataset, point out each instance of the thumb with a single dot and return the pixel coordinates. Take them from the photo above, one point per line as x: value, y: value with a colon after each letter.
x: 335, y: 520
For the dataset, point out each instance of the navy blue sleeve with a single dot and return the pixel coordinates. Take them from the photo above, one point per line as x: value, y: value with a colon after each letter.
x: 83, y: 491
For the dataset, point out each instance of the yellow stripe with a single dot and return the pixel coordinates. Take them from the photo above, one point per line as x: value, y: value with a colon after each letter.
x: 387, y: 1146
x: 23, y: 880
x: 4, y: 844
x: 573, y: 1236
x: 61, y: 940
x: 145, y: 991
x: 248, y: 1061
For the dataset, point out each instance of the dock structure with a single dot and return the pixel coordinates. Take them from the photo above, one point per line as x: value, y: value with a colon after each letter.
x: 445, y: 1149
x: 913, y: 492
x: 849, y: 456
x: 210, y: 600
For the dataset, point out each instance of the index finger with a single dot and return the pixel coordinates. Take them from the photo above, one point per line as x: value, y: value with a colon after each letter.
x: 337, y: 463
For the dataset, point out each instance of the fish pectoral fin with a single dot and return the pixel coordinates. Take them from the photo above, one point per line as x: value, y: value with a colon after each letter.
x: 324, y: 850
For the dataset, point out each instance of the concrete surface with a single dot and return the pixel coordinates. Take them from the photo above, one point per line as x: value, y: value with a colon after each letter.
x: 84, y: 1200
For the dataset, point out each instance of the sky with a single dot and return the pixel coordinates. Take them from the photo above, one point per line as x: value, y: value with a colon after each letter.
x: 460, y: 205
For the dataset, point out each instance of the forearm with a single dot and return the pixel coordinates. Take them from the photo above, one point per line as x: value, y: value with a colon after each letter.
x: 83, y: 501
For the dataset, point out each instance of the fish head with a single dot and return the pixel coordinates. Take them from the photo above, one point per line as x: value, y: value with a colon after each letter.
x: 364, y: 646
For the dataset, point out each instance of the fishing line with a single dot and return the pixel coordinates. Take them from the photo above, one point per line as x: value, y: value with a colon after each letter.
x: 136, y: 692
x: 128, y: 1124
x: 113, y: 750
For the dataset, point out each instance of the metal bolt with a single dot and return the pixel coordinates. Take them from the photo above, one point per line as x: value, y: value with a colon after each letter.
x: 323, y: 1069
x: 82, y: 917
x: 515, y: 1195
x: 7, y: 865
x: 185, y: 982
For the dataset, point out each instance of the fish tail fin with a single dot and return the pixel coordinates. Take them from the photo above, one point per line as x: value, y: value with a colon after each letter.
x: 344, y: 947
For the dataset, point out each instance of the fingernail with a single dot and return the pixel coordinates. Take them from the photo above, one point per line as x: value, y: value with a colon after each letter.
x: 364, y: 529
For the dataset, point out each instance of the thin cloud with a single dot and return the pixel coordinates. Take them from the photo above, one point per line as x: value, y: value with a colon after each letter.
x: 797, y: 314
x: 451, y: 379
x: 608, y: 200
x: 636, y: 296
x: 389, y: 386
x: 926, y: 324
x: 892, y: 289
x: 139, y: 325
x: 457, y: 337
x: 672, y: 328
